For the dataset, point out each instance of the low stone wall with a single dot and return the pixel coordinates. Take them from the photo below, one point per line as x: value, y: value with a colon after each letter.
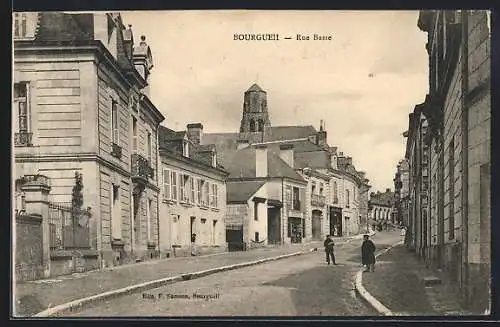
x: 65, y: 262
x: 29, y: 252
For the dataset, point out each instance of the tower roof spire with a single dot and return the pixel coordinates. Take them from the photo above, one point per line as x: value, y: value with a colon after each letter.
x: 255, y: 88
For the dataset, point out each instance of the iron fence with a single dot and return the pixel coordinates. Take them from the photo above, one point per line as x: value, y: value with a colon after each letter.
x: 69, y: 227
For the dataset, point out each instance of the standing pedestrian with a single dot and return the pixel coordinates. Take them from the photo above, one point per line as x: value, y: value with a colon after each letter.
x: 329, y: 244
x: 193, y: 244
x: 368, y: 254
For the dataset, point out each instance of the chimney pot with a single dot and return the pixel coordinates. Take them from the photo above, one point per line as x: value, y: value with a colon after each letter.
x: 261, y: 160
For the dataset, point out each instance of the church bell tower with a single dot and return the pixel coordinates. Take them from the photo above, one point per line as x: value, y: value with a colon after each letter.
x: 255, y: 115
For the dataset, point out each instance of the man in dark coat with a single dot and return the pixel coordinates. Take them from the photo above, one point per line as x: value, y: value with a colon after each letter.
x: 329, y: 244
x: 368, y: 254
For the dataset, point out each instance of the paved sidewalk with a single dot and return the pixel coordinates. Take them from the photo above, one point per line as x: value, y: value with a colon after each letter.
x: 35, y: 296
x: 398, y: 284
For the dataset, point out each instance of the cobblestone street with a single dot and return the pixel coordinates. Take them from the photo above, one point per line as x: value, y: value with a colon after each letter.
x: 302, y: 285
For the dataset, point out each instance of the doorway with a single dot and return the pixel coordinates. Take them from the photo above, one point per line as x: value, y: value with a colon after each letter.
x: 295, y: 229
x: 336, y: 221
x: 273, y: 225
x: 316, y: 224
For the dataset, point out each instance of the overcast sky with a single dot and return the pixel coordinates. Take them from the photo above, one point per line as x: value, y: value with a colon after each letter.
x: 363, y: 83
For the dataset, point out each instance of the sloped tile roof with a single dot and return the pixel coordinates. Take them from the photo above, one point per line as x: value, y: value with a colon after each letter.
x: 57, y: 26
x: 384, y: 199
x: 241, y: 191
x: 241, y: 164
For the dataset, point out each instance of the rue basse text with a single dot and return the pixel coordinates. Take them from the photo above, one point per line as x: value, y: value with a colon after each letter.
x: 314, y: 37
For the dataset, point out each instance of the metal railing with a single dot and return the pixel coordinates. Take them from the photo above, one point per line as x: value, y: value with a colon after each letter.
x: 140, y: 167
x: 69, y: 227
x: 318, y: 200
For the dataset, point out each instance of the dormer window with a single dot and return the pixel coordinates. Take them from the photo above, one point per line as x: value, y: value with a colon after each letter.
x: 214, y: 159
x: 24, y: 25
x: 185, y: 148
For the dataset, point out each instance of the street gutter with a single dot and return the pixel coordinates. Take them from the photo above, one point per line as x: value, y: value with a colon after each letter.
x: 365, y: 295
x: 78, y: 305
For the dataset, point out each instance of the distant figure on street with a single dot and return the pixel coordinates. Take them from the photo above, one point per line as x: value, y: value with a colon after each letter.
x: 329, y: 244
x: 193, y: 244
x: 368, y: 254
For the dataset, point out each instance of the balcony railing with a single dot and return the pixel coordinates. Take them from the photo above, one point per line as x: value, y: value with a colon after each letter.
x: 116, y: 150
x: 23, y: 139
x: 141, y: 168
x: 318, y: 200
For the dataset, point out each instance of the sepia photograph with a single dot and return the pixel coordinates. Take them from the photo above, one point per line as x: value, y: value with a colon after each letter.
x: 251, y: 163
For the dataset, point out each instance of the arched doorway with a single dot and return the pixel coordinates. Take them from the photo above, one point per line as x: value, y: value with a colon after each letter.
x: 316, y: 224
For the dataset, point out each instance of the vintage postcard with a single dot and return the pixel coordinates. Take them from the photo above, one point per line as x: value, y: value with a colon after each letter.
x: 251, y: 163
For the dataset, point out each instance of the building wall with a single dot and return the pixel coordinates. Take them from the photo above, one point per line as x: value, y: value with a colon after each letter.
x: 479, y: 154
x: 175, y: 217
x: 350, y: 208
x: 69, y: 106
x: 309, y: 207
x: 252, y: 226
x: 286, y: 210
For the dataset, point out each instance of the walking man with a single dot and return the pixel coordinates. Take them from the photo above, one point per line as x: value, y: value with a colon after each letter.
x: 329, y: 244
x: 368, y: 254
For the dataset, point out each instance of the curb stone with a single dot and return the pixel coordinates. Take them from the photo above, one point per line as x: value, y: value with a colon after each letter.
x: 370, y: 299
x: 85, y: 302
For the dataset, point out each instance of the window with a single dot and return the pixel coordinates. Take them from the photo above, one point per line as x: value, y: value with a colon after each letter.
x: 347, y: 196
x: 335, y: 194
x: 192, y: 188
x: 174, y: 185
x: 185, y: 149
x: 167, y: 185
x: 199, y: 185
x: 289, y: 201
x: 115, y: 131
x: 313, y: 188
x: 134, y: 135
x: 21, y: 107
x: 213, y: 195
x: 451, y: 192
x: 206, y: 195
x: 252, y: 125
x: 184, y: 188
x: 256, y: 236
x: 296, y: 198
x: 303, y: 228
x: 149, y: 151
x: 255, y: 211
x: 320, y: 188
x: 20, y: 24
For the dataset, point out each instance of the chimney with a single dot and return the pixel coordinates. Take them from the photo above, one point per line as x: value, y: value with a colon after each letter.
x: 242, y: 144
x: 261, y: 160
x: 387, y: 190
x: 143, y: 60
x: 195, y: 132
x: 349, y: 160
x: 287, y: 154
x: 341, y: 154
x: 128, y: 40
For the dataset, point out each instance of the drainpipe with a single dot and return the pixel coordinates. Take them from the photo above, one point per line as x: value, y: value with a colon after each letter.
x: 283, y: 209
x: 465, y: 142
x: 158, y: 199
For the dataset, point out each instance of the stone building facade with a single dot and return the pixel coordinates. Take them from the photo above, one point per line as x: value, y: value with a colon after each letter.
x: 305, y: 150
x: 81, y: 105
x: 449, y: 143
x: 193, y: 193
